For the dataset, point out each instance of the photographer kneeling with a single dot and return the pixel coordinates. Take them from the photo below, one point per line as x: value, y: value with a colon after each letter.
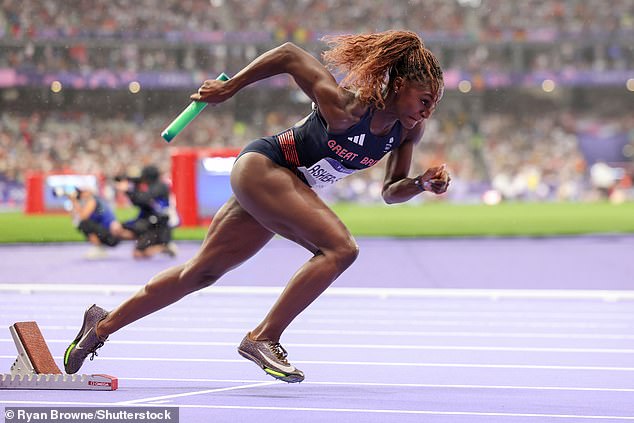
x: 152, y: 227
x: 94, y: 218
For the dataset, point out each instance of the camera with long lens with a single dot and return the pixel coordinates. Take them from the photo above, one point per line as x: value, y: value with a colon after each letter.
x: 65, y: 191
x: 131, y: 179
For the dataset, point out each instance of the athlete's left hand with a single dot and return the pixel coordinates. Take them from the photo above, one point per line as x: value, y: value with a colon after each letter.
x: 436, y: 179
x: 212, y: 91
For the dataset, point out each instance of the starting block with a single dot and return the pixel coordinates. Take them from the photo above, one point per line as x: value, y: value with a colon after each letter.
x: 35, y: 368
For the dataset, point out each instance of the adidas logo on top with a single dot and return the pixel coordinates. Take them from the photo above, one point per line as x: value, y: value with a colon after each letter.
x: 389, y: 145
x: 357, y: 139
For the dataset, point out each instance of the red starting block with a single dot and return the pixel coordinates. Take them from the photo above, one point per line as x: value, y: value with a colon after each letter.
x: 35, y: 368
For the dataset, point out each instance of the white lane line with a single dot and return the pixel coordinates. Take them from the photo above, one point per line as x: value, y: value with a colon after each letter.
x: 423, y: 323
x: 401, y: 315
x: 606, y: 295
x: 339, y: 410
x: 409, y: 333
x: 393, y: 385
x: 369, y: 363
x: 372, y: 346
x: 481, y: 315
x: 234, y: 309
x: 501, y: 323
x: 189, y: 394
x: 466, y: 320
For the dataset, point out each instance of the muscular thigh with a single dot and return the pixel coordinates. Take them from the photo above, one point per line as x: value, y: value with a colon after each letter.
x: 281, y: 202
x: 233, y: 237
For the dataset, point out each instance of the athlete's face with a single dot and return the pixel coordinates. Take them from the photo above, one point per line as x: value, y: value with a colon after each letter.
x: 415, y: 102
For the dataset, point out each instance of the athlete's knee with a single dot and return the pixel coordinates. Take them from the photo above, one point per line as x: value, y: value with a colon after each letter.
x: 195, y: 275
x: 345, y: 251
x: 350, y: 251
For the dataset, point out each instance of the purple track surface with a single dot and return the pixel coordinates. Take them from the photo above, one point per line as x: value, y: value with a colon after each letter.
x: 469, y: 344
x: 587, y: 262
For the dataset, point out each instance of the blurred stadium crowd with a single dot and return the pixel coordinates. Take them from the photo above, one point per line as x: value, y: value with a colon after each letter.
x: 503, y: 133
x: 588, y: 33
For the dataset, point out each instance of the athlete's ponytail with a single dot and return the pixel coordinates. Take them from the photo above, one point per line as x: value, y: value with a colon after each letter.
x: 371, y: 62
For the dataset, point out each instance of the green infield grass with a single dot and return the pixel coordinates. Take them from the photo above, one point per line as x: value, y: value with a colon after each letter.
x: 426, y: 220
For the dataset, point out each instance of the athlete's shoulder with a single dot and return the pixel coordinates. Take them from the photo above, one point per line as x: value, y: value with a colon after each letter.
x: 346, y: 113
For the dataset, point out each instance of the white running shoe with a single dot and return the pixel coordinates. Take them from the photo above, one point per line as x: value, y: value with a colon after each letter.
x: 96, y: 253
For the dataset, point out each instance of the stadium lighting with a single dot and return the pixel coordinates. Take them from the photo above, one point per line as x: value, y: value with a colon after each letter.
x: 464, y: 86
x: 548, y: 85
x: 218, y: 164
x: 470, y: 3
x: 492, y: 197
x: 134, y: 87
x: 56, y: 86
x: 630, y: 84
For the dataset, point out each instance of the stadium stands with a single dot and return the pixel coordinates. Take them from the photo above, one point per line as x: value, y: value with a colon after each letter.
x: 540, y: 148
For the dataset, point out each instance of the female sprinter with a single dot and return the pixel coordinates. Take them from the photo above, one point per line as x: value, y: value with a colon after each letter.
x: 392, y: 85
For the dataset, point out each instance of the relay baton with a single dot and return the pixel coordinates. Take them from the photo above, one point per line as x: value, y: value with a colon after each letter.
x: 187, y: 115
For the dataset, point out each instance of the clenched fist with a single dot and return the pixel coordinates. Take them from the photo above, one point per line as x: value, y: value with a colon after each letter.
x: 435, y: 179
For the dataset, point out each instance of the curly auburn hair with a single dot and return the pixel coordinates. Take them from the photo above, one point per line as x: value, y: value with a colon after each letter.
x: 367, y: 60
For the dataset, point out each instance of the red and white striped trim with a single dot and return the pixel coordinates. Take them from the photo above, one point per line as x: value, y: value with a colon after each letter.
x: 287, y: 143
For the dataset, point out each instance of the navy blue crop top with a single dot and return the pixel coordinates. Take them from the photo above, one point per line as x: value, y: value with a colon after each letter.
x: 323, y: 157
